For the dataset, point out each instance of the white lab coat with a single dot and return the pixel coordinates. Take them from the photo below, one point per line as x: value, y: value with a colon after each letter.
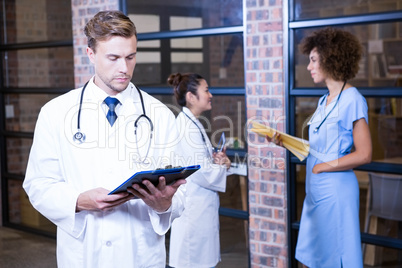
x: 131, y: 235
x: 194, y: 240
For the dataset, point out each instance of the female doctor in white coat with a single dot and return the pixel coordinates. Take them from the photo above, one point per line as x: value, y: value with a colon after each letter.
x: 194, y: 240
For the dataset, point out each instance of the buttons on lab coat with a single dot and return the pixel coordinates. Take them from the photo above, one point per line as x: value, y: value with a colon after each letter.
x: 108, y: 244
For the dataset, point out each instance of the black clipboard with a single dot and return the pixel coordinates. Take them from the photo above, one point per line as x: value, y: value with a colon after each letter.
x: 170, y: 174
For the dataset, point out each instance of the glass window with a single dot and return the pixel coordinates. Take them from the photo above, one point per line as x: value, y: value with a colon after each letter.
x: 385, y: 123
x: 17, y: 154
x: 305, y: 9
x: 22, y: 212
x: 38, y: 68
x: 228, y: 115
x: 145, y: 24
x: 235, y: 196
x: 381, y: 65
x: 234, y: 242
x: 376, y: 256
x: 217, y: 58
x: 213, y: 13
x: 22, y: 110
x: 44, y: 61
x: 43, y: 21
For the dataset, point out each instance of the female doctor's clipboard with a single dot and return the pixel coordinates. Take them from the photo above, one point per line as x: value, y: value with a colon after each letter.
x: 170, y: 174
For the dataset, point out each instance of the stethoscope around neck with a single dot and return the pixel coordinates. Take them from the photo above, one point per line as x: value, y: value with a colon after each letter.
x: 325, y: 118
x: 79, y: 136
x: 202, y: 135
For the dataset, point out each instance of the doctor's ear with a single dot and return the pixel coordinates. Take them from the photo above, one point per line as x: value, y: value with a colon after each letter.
x: 190, y: 98
x: 91, y: 54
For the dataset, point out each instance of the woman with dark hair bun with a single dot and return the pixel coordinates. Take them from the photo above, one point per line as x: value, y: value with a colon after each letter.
x: 339, y: 136
x: 194, y: 239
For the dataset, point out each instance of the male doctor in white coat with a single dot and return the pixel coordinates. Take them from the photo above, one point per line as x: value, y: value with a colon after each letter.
x: 69, y: 176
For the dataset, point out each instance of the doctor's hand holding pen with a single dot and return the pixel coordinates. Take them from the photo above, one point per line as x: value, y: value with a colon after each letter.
x: 220, y: 158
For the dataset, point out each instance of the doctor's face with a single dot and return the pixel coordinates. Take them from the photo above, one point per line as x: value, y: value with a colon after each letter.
x: 204, y: 97
x: 114, y: 62
x: 314, y: 67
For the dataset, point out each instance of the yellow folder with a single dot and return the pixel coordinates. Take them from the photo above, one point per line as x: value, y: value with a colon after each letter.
x: 297, y: 146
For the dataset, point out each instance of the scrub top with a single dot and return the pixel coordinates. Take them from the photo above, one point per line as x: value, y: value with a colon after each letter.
x: 329, y: 235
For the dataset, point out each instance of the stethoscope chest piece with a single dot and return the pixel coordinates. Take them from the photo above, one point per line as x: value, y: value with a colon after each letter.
x: 79, y: 137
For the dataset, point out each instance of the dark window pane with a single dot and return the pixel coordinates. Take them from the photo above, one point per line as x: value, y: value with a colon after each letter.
x: 305, y: 9
x: 381, y: 65
x: 36, y: 23
x: 45, y: 67
x: 217, y: 58
x: 21, y: 210
x: 376, y: 256
x: 17, y: 154
x: 211, y: 13
x: 235, y: 196
x: 234, y: 242
x: 300, y: 189
x: 385, y: 123
x: 22, y: 110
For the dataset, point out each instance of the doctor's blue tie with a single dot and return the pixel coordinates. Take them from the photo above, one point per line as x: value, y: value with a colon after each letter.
x: 111, y: 114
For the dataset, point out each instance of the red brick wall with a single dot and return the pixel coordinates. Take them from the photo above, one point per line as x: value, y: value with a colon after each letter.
x: 265, y: 95
x: 82, y: 11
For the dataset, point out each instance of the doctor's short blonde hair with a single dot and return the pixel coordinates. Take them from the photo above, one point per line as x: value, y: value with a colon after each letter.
x: 106, y: 24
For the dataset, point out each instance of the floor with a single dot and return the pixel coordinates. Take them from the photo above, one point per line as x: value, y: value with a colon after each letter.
x: 20, y: 249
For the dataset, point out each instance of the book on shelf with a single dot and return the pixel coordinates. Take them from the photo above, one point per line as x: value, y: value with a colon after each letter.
x: 297, y: 146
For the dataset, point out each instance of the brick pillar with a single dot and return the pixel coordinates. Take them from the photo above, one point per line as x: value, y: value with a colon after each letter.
x: 81, y: 12
x: 265, y: 94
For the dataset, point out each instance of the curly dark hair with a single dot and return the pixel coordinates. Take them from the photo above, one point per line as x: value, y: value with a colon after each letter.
x: 183, y: 83
x: 339, y: 51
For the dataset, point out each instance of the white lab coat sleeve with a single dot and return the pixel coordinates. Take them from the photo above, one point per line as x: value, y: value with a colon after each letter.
x: 161, y: 221
x: 211, y: 176
x: 44, y: 182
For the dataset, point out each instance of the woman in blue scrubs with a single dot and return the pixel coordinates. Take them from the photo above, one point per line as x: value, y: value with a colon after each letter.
x: 339, y: 136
